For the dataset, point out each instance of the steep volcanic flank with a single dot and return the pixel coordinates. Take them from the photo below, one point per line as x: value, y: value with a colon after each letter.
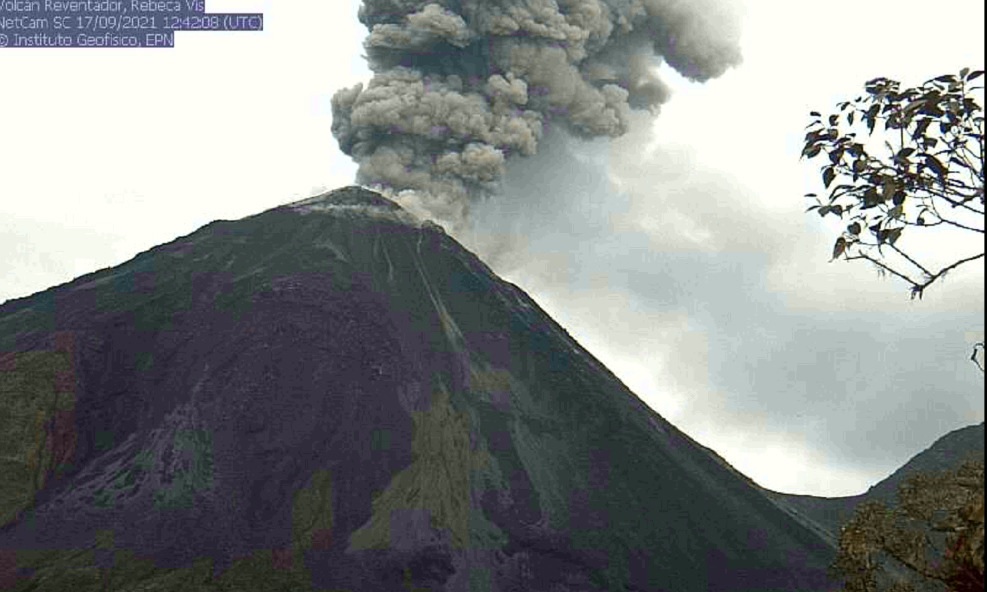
x: 332, y: 396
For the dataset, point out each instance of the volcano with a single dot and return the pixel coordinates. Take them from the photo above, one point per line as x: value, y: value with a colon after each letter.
x: 332, y: 395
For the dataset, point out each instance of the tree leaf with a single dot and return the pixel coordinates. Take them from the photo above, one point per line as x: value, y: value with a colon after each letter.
x: 935, y: 165
x: 922, y: 126
x: 811, y: 152
x: 871, y: 117
x: 871, y: 198
x: 974, y: 75
x: 839, y: 248
x: 957, y: 162
x: 904, y: 153
x: 829, y: 174
x: 889, y: 185
x: 854, y: 229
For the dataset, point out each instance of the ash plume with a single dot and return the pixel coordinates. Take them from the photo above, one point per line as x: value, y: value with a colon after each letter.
x: 461, y: 86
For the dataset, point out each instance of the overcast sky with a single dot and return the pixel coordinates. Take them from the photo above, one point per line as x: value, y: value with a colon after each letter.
x: 679, y: 254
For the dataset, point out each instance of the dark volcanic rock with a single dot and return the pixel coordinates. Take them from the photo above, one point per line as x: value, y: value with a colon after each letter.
x: 331, y: 396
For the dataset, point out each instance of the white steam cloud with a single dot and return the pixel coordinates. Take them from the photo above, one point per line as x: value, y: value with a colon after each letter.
x: 461, y: 86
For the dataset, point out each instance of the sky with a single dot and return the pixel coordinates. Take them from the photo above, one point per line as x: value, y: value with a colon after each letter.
x: 679, y: 254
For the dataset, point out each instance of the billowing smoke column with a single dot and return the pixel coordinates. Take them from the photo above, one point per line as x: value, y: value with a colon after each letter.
x: 460, y: 86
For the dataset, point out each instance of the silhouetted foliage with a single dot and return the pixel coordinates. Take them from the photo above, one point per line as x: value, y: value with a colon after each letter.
x: 932, y: 174
x: 935, y: 535
x: 913, y: 187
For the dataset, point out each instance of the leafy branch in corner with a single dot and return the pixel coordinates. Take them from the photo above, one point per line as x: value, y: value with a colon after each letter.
x: 928, y: 181
x: 932, y: 176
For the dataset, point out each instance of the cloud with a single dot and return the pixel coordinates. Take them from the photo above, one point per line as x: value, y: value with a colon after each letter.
x: 675, y: 248
x: 668, y: 271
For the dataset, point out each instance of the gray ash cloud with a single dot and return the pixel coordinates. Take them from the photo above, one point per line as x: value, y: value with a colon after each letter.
x: 461, y: 86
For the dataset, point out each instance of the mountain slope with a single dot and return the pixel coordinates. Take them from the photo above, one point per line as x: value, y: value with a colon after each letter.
x: 331, y: 396
x: 827, y: 515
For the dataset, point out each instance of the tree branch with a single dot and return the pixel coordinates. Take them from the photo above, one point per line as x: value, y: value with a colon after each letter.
x: 917, y: 287
x: 883, y: 266
x: 945, y: 270
x: 963, y: 226
x: 912, y: 261
x: 952, y: 202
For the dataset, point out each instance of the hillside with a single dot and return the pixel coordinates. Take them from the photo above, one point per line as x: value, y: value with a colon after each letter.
x: 827, y: 515
x: 330, y: 395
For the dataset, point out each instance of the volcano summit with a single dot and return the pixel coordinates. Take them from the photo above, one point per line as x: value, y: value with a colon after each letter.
x: 330, y: 395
